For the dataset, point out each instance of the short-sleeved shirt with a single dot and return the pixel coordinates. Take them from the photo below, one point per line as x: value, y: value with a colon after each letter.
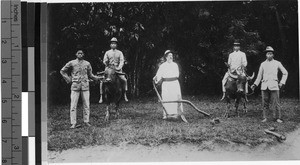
x: 114, y: 58
x: 81, y: 71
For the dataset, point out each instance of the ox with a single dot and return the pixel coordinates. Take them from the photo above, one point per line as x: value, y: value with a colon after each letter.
x: 235, y: 89
x: 112, y: 90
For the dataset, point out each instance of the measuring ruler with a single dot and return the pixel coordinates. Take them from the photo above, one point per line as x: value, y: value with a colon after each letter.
x: 11, y: 81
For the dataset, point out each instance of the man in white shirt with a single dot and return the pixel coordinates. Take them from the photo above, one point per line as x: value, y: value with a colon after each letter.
x: 270, y: 84
x: 236, y: 60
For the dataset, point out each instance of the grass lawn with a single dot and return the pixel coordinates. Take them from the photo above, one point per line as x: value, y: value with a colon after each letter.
x: 141, y: 122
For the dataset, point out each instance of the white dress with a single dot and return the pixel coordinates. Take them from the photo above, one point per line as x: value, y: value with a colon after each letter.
x: 170, y: 89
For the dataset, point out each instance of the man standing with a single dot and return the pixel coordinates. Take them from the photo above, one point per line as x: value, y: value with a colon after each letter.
x: 115, y: 59
x: 81, y: 71
x: 267, y: 74
x: 236, y: 60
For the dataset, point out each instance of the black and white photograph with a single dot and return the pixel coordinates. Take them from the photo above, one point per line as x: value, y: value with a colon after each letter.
x: 172, y: 81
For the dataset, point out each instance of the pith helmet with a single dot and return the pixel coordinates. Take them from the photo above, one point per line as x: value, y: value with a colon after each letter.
x: 114, y: 39
x: 269, y: 49
x: 167, y: 52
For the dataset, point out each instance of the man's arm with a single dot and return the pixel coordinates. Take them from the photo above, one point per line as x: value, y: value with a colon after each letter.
x: 90, y: 73
x: 64, y: 74
x: 259, y: 75
x: 121, y: 63
x: 244, y: 60
x: 105, y: 59
x: 229, y: 60
x: 284, y: 73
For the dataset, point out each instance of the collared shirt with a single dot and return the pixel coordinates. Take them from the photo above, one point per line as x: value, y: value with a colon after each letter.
x: 81, y: 71
x: 167, y: 70
x: 267, y: 74
x: 237, y: 59
x: 114, y: 58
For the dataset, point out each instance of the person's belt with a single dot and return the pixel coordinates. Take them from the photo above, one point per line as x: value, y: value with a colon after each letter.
x: 170, y: 79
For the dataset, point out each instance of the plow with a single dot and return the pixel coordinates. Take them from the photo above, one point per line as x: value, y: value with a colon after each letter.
x: 181, y: 101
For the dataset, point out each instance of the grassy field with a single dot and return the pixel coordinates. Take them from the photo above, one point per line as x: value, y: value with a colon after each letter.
x: 141, y: 122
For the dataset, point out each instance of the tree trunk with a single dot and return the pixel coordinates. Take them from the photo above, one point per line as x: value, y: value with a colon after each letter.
x: 282, y: 35
x: 135, y: 73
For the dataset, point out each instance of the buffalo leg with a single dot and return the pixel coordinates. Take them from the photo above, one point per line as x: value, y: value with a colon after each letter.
x: 107, y: 113
x: 117, y: 111
x: 237, y: 101
x: 245, y: 108
x: 226, y: 115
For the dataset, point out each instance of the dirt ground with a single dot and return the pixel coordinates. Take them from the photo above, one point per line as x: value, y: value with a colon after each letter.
x: 288, y: 150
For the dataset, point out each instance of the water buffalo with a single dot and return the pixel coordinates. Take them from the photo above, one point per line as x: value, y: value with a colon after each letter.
x: 235, y: 89
x: 112, y: 90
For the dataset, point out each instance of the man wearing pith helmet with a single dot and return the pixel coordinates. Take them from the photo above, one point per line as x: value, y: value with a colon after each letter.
x: 236, y: 60
x: 270, y: 84
x: 114, y: 58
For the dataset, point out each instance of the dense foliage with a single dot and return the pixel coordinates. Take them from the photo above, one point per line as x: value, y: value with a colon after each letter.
x: 201, y: 33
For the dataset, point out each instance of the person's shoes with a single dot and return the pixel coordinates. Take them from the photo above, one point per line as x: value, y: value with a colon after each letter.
x: 101, y: 100
x: 125, y: 97
x: 223, y: 97
x: 73, y: 126
x: 279, y: 121
x: 264, y: 120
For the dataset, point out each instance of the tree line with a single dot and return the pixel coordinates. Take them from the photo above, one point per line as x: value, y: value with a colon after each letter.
x: 200, y: 33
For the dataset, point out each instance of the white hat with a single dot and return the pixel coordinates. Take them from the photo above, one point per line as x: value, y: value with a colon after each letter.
x: 269, y: 49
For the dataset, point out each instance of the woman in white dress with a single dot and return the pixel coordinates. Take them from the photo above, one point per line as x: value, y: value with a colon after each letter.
x: 168, y: 72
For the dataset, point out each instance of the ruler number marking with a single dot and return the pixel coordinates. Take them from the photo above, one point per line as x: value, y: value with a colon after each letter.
x: 4, y: 41
x: 4, y: 61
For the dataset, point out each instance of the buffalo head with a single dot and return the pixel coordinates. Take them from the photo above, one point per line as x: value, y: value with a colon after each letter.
x: 110, y: 74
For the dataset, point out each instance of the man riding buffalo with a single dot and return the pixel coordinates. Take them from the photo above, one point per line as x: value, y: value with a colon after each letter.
x: 237, y: 62
x: 114, y: 58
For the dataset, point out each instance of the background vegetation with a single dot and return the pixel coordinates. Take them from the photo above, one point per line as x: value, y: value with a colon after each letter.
x: 201, y: 33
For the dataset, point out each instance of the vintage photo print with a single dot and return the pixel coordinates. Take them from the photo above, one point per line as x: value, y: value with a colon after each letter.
x: 172, y: 81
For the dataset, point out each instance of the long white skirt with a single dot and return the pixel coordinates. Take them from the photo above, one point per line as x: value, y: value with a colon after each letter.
x: 171, y: 92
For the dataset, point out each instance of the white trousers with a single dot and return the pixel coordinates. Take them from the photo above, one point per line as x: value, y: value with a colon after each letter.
x: 85, y: 95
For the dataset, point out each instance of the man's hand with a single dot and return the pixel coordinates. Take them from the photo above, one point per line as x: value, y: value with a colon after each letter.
x: 68, y: 80
x: 228, y: 66
x: 155, y: 79
x: 253, y: 87
x: 280, y: 85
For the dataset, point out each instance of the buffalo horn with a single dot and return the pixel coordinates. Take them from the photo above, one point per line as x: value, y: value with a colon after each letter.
x: 233, y: 76
x: 250, y: 78
x: 120, y: 73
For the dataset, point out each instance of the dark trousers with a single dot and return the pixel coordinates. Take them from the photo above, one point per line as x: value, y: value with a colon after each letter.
x: 270, y: 100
